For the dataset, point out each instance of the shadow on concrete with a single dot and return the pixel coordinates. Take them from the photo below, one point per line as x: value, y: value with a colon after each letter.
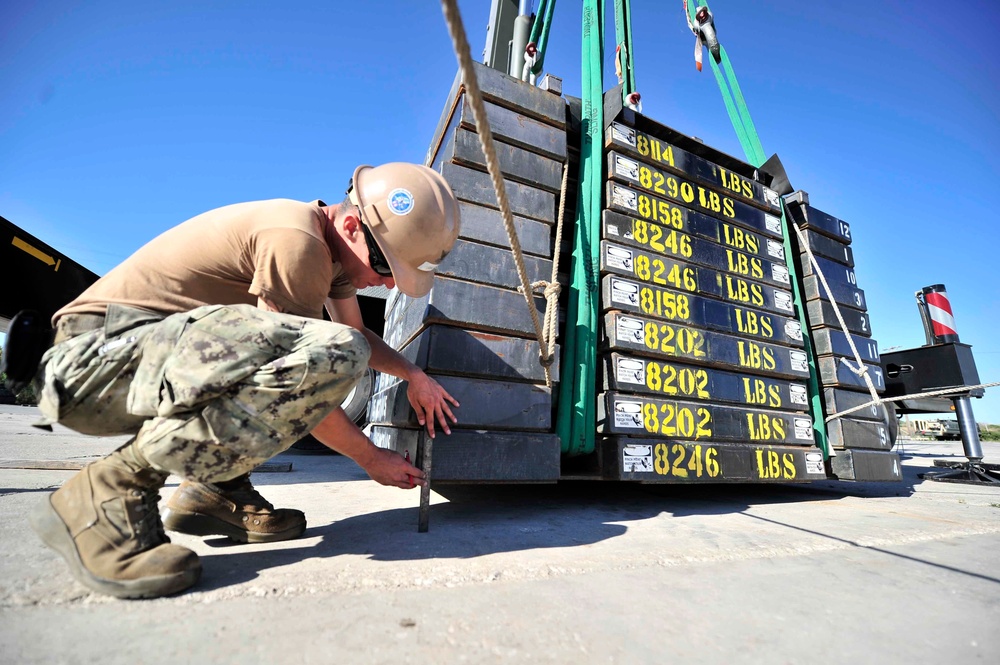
x: 881, y: 550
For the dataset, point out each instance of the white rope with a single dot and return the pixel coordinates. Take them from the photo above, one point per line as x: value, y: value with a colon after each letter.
x: 454, y: 20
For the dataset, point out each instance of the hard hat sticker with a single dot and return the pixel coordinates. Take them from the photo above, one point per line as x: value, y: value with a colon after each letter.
x: 427, y: 266
x: 400, y: 201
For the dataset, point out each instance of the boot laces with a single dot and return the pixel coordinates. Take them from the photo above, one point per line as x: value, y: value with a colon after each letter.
x: 149, y: 527
x: 246, y: 494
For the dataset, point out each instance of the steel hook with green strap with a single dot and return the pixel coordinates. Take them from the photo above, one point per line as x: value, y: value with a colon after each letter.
x: 702, y: 23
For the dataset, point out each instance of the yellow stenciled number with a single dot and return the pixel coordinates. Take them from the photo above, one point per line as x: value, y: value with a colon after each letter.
x: 642, y: 144
x: 644, y: 206
x: 645, y: 177
x: 652, y: 338
x: 650, y: 419
x: 712, y: 462
x: 662, y: 463
x: 653, y: 380
x: 642, y: 267
x: 640, y: 231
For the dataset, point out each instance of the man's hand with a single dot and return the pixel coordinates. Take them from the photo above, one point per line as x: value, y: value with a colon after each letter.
x: 389, y: 468
x: 430, y: 401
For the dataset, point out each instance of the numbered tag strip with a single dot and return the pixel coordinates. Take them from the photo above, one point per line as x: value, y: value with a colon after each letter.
x: 675, y: 188
x: 693, y: 421
x: 652, y: 461
x: 683, y: 276
x: 668, y: 341
x: 851, y: 433
x: 673, y: 380
x: 634, y: 203
x: 618, y: 293
x: 843, y: 293
x: 834, y: 250
x: 837, y: 400
x: 834, y: 343
x: 833, y: 373
x: 660, y: 154
x: 819, y: 313
x: 666, y: 241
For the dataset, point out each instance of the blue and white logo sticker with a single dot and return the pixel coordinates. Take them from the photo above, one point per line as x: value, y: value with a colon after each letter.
x: 400, y: 201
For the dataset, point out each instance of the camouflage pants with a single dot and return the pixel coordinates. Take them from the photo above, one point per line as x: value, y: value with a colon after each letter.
x: 209, y: 393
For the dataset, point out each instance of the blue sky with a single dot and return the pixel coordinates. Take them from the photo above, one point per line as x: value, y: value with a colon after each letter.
x: 120, y: 120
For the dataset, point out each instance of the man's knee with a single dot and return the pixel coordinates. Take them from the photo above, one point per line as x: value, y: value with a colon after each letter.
x: 338, y: 352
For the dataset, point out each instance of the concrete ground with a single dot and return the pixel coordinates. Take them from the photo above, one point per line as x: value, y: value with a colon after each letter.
x: 578, y: 572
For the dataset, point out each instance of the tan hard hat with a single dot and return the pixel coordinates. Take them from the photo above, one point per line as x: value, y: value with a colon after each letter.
x: 414, y: 217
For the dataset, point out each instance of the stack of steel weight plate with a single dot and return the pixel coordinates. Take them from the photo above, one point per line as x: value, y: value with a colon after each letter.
x: 862, y: 439
x: 702, y: 367
x: 473, y: 332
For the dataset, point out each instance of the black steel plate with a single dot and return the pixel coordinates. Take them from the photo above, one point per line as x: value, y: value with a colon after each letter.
x: 844, y: 293
x: 485, y: 264
x: 464, y: 304
x: 683, y: 276
x: 837, y: 400
x: 467, y: 456
x: 644, y: 336
x: 447, y: 350
x: 852, y: 433
x: 633, y: 374
x: 828, y: 342
x: 666, y: 241
x: 485, y: 405
x: 485, y: 225
x: 662, y: 155
x: 683, y: 191
x: 866, y: 465
x: 671, y: 461
x: 642, y: 415
x: 823, y: 246
x: 808, y: 217
x: 834, y: 373
x: 634, y: 203
x: 618, y: 293
x: 463, y: 147
x: 820, y: 314
x: 618, y: 225
x: 476, y: 187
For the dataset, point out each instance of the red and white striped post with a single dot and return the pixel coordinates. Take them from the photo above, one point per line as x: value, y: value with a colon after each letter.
x: 938, y: 315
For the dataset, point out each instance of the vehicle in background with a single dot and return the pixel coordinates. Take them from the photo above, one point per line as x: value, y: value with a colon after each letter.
x: 942, y: 430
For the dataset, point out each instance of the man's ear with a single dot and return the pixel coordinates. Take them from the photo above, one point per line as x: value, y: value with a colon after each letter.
x: 352, y: 225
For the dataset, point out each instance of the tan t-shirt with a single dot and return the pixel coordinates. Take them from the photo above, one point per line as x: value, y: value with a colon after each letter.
x: 272, y: 249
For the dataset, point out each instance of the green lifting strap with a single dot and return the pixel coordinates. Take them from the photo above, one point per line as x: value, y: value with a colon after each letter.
x: 576, y: 421
x: 746, y: 132
x: 540, y: 32
x: 623, y: 40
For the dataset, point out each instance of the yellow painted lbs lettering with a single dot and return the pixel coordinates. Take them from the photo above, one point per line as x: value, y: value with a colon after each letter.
x: 758, y: 393
x: 739, y: 239
x: 742, y: 291
x: 749, y: 322
x: 755, y: 356
x: 765, y: 427
x: 744, y: 265
x: 771, y: 465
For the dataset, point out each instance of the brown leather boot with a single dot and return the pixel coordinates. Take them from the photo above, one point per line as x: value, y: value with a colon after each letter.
x: 105, y: 523
x: 232, y: 508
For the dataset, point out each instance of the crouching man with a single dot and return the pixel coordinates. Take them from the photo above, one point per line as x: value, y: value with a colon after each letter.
x: 208, y: 346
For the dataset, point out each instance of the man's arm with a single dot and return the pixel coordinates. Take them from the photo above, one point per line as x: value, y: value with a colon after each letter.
x: 427, y: 397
